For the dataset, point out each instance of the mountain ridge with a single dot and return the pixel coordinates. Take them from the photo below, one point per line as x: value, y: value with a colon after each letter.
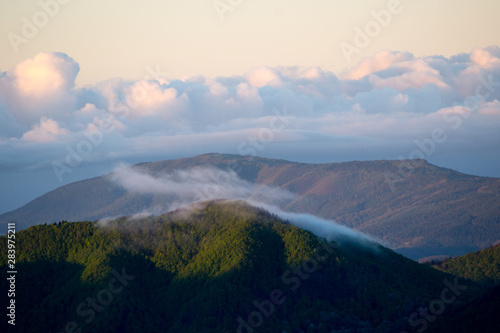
x: 433, y: 211
x: 209, y: 268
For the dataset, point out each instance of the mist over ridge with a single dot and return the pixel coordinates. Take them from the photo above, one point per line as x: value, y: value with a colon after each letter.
x: 427, y: 213
x: 199, y: 184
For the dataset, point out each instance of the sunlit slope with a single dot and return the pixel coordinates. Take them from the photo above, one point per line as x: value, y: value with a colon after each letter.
x: 204, y: 270
x: 428, y: 211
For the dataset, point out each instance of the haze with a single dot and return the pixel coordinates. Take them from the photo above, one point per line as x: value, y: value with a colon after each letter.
x: 86, y: 85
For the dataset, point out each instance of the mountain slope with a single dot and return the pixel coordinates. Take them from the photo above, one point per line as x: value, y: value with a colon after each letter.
x: 431, y: 211
x: 481, y: 315
x: 481, y: 266
x: 218, y: 267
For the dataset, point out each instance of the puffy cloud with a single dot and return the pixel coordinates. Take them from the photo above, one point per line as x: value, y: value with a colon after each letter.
x: 41, y: 86
x: 486, y: 58
x: 262, y: 76
x: 216, y: 88
x: 147, y: 98
x: 380, y: 61
x: 47, y: 131
x: 314, y: 73
x: 402, y: 76
x: 45, y: 74
x: 377, y: 110
x: 490, y: 108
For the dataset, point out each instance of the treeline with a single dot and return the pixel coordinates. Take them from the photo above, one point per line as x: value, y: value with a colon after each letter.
x: 215, y: 268
x: 481, y: 266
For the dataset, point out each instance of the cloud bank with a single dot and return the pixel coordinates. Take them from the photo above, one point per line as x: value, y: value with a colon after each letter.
x: 327, y: 229
x: 198, y: 184
x: 376, y: 110
x: 183, y: 188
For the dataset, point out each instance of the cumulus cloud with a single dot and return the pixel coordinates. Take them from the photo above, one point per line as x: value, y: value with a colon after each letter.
x: 486, y: 58
x: 40, y: 87
x: 380, y: 61
x: 402, y: 76
x: 150, y: 98
x: 262, y: 76
x: 376, y: 110
x: 47, y: 131
x: 45, y: 74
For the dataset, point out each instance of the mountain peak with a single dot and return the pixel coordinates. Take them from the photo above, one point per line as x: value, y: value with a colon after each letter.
x: 417, y: 208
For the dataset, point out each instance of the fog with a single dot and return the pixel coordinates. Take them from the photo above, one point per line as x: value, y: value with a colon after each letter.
x: 184, y: 188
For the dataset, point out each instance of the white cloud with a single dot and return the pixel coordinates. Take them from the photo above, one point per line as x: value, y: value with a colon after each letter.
x: 244, y: 90
x: 486, y: 58
x: 45, y: 74
x: 380, y: 61
x: 380, y: 107
x: 407, y: 75
x: 216, y: 88
x: 47, y: 131
x: 187, y: 187
x: 197, y: 184
x: 40, y: 87
x: 263, y: 76
x: 314, y: 73
x: 490, y: 108
x: 146, y: 98
x: 327, y: 229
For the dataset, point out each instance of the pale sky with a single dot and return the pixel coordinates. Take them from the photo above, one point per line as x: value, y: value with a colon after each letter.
x: 120, y: 38
x: 86, y: 85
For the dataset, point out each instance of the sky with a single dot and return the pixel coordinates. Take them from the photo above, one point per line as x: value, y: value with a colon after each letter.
x: 88, y: 85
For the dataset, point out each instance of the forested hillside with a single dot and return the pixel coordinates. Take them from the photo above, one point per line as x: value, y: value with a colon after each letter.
x: 417, y: 208
x: 481, y: 315
x: 481, y: 266
x: 218, y: 267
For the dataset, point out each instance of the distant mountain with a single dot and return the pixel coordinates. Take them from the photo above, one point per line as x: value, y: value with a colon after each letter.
x: 420, y: 211
x: 216, y: 267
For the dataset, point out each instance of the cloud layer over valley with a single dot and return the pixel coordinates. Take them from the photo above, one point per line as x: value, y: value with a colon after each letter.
x: 391, y: 105
x: 183, y: 188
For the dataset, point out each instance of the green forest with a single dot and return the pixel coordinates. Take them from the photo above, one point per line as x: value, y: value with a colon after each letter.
x: 481, y: 266
x: 434, y: 211
x: 215, y: 267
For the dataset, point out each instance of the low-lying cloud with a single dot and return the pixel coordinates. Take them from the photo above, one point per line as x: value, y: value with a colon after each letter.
x: 376, y: 110
x: 187, y: 187
x: 321, y: 227
x: 197, y: 184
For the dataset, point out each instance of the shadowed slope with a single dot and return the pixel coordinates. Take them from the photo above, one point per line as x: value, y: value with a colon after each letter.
x: 432, y: 211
